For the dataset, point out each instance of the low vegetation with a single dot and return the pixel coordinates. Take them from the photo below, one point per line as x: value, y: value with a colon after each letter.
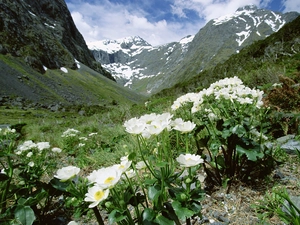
x: 147, y: 164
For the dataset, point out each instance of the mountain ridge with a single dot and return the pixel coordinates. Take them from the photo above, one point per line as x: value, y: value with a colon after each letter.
x: 174, y: 63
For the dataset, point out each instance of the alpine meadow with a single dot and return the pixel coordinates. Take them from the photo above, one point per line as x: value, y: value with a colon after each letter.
x: 205, y: 130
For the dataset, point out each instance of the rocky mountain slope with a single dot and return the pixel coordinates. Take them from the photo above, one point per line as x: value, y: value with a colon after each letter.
x: 44, y: 58
x: 147, y: 69
x: 43, y: 34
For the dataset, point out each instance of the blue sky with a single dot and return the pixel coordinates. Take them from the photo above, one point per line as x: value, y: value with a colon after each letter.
x: 157, y: 21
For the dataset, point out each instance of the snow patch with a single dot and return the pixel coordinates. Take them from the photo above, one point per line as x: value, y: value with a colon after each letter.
x: 31, y: 13
x: 242, y: 36
x: 77, y: 63
x: 46, y: 24
x: 64, y: 69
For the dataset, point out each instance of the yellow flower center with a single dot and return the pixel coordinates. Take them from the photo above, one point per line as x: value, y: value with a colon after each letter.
x: 109, y: 180
x: 98, y: 195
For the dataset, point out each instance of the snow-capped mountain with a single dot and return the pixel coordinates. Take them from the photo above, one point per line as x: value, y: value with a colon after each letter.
x: 132, y: 59
x: 147, y: 69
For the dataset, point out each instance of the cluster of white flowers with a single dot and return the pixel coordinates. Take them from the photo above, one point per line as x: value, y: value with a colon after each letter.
x: 28, y: 145
x: 105, y: 178
x: 70, y: 133
x: 229, y: 89
x: 153, y: 124
x: 7, y: 130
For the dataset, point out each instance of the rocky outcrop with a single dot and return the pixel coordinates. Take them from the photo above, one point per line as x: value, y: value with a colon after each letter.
x: 44, y: 35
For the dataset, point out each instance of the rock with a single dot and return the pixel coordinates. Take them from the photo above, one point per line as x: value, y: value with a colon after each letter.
x: 291, y: 146
x: 286, y: 205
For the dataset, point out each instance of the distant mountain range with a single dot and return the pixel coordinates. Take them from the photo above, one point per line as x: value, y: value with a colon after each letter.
x: 44, y: 58
x: 148, y: 69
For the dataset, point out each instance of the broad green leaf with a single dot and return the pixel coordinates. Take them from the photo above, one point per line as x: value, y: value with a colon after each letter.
x: 182, y: 212
x: 148, y: 214
x: 62, y: 186
x: 154, y: 192
x: 251, y: 154
x: 25, y: 215
x: 132, y: 156
x: 161, y: 220
x: 115, y: 216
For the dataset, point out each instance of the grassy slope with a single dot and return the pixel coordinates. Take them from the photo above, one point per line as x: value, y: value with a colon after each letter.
x: 82, y: 86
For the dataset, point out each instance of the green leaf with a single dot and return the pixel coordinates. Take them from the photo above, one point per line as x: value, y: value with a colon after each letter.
x: 161, y: 220
x: 154, y: 192
x: 161, y: 164
x: 25, y: 215
x: 115, y: 216
x: 182, y: 212
x: 148, y: 214
x: 62, y: 186
x: 34, y: 200
x: 251, y: 154
x: 239, y: 130
x: 132, y: 156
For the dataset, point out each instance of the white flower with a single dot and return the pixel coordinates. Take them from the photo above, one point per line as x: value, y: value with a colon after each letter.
x: 42, y: 145
x: 148, y: 118
x: 140, y: 165
x: 83, y: 138
x: 189, y: 160
x: 106, y: 177
x: 67, y: 173
x: 92, y: 134
x: 96, y: 194
x: 29, y: 154
x: 26, y: 146
x: 81, y: 145
x: 72, y: 223
x: 55, y: 149
x: 70, y: 133
x: 2, y: 170
x: 134, y: 126
x: 31, y: 164
x: 184, y: 127
x: 130, y: 173
x: 8, y: 130
x: 124, y: 165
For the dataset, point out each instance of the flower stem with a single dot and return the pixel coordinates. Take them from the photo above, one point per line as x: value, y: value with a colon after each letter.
x: 98, y: 216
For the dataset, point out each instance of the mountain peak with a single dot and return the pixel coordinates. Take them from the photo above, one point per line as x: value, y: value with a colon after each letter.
x: 247, y: 8
x: 112, y: 46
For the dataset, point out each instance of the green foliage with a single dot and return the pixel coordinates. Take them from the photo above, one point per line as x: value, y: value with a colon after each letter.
x: 278, y: 202
x: 231, y: 126
x: 24, y: 196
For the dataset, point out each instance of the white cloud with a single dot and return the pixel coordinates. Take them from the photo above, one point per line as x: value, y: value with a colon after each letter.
x: 114, y: 21
x: 107, y: 20
x: 211, y: 9
x: 291, y: 5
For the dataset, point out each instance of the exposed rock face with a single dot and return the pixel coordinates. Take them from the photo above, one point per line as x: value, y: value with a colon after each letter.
x: 44, y: 34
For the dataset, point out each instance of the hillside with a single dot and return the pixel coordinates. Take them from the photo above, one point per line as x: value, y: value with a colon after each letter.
x: 44, y: 58
x: 261, y: 64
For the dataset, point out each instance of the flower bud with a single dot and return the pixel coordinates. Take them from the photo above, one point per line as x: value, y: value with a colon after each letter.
x: 188, y: 181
